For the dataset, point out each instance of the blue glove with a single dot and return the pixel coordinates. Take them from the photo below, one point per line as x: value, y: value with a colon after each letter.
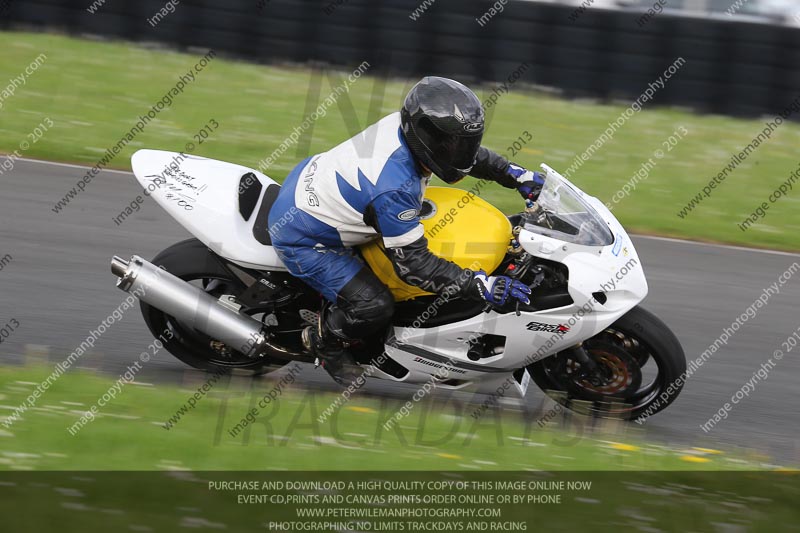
x: 496, y: 290
x: 529, y: 184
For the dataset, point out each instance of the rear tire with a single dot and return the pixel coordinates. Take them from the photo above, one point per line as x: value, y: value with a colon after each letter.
x: 191, y: 260
x: 621, y: 352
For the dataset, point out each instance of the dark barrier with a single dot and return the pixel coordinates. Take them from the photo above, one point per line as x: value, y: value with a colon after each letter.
x: 731, y: 67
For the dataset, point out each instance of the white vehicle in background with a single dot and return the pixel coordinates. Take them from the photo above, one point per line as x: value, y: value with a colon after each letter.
x: 767, y: 11
x: 223, y: 298
x: 786, y: 11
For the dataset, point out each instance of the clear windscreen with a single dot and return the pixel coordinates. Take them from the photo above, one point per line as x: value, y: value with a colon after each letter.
x: 561, y: 213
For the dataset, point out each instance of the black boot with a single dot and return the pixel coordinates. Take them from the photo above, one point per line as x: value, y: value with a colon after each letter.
x: 333, y: 356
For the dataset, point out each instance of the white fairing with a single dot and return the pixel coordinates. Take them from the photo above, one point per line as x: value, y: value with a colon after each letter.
x: 613, y: 270
x: 606, y: 279
x: 203, y: 196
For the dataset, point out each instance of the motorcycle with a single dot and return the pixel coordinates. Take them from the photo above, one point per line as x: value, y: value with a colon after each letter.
x: 224, y: 299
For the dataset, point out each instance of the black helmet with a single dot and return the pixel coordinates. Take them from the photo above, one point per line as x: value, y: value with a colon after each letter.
x: 443, y: 123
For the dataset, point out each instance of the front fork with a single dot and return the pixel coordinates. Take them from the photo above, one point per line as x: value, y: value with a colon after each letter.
x: 588, y: 369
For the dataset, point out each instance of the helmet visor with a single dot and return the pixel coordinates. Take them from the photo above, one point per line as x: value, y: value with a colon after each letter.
x: 450, y: 151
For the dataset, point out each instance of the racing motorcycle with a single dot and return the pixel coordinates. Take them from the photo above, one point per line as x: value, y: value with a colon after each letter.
x: 224, y: 299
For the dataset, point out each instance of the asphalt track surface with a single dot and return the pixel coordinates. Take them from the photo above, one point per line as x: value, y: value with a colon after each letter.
x: 58, y: 287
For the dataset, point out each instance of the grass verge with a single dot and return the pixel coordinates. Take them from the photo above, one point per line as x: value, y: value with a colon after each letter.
x: 129, y: 432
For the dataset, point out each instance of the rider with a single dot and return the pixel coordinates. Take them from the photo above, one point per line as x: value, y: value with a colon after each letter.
x: 373, y: 185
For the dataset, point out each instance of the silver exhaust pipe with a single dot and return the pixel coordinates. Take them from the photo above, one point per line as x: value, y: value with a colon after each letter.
x: 190, y: 305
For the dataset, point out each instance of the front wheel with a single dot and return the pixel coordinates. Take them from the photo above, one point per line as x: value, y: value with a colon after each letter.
x: 638, y: 370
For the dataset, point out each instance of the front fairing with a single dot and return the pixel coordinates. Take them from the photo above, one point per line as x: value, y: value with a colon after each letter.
x: 605, y: 281
x: 568, y: 226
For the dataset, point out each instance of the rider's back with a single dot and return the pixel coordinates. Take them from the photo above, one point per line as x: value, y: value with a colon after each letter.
x: 336, y: 187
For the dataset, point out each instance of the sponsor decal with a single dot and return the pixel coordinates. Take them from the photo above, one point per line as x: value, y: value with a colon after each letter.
x: 308, y: 184
x: 471, y: 127
x: 561, y: 329
x: 408, y: 215
x: 437, y: 365
x: 268, y: 284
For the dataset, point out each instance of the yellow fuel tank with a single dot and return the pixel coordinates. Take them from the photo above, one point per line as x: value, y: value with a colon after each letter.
x: 460, y: 227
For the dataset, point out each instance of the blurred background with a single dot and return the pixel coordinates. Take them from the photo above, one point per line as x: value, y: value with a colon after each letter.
x: 741, y: 54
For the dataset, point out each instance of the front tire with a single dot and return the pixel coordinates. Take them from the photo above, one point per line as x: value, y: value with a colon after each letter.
x: 640, y: 370
x: 192, y: 261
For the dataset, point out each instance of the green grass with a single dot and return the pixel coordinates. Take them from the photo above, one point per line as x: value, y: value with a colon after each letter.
x: 124, y: 470
x: 128, y: 434
x: 93, y: 91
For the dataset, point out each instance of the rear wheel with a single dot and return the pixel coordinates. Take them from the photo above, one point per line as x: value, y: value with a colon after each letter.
x: 637, y: 362
x: 193, y: 262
